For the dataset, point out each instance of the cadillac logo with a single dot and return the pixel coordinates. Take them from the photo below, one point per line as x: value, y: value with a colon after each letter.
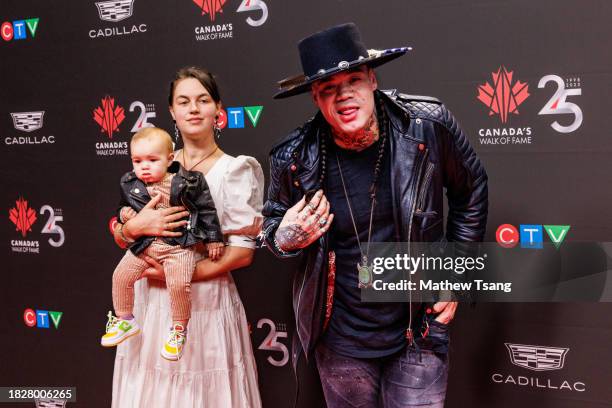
x: 28, y: 121
x: 115, y: 10
x: 537, y: 358
x: 50, y: 403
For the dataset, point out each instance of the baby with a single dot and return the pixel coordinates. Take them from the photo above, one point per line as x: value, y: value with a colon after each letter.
x: 156, y: 174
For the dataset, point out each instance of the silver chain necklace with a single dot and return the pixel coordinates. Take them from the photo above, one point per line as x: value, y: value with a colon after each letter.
x: 364, y: 269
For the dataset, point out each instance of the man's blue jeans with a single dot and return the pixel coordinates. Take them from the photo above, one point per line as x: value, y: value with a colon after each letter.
x: 413, y: 377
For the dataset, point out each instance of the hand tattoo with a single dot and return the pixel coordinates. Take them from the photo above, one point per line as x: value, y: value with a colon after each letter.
x: 291, y: 237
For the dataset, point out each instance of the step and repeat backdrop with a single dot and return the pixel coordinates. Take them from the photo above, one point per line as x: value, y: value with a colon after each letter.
x: 528, y: 81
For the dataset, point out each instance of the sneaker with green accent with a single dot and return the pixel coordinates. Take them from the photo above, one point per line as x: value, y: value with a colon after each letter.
x: 173, y: 346
x: 118, y: 330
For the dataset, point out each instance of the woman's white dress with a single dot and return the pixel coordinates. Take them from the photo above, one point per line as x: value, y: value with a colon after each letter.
x: 217, y: 369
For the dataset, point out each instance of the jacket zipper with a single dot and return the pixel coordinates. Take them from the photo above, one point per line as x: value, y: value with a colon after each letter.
x: 189, y: 226
x: 414, y: 194
x: 424, y: 186
x: 412, y: 209
x: 297, y: 312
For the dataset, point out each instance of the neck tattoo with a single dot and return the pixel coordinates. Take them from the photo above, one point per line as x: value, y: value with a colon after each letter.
x: 360, y: 140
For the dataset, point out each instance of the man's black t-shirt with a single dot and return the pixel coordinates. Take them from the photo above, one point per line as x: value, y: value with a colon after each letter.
x: 360, y: 329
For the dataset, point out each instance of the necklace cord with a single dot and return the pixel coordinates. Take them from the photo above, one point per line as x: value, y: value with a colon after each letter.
x: 372, y: 190
x: 206, y: 156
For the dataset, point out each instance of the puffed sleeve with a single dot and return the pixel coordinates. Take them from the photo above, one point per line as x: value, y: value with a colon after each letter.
x: 243, y: 189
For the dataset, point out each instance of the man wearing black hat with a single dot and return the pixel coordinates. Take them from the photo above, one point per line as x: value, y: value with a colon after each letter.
x: 368, y: 167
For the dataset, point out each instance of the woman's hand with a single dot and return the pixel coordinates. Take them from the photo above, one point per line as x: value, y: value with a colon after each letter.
x: 156, y: 223
x: 126, y: 214
x: 206, y: 269
x: 215, y: 250
x: 154, y: 271
x: 304, y: 223
x: 233, y: 258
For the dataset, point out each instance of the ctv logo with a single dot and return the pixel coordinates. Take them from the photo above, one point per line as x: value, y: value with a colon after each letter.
x: 42, y: 318
x: 18, y: 29
x: 233, y: 118
x: 530, y: 235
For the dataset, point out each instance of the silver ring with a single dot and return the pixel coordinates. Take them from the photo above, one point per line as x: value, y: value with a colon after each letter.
x: 312, y: 207
x: 322, y: 221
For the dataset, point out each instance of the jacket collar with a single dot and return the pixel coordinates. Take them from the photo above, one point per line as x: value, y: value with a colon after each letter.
x: 398, y: 115
x: 174, y: 167
x: 131, y: 176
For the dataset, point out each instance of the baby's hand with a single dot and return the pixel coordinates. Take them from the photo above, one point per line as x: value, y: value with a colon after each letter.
x: 215, y: 250
x: 127, y: 213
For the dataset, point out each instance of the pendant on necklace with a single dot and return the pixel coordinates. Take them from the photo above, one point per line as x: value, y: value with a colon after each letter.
x: 410, y: 336
x: 364, y: 273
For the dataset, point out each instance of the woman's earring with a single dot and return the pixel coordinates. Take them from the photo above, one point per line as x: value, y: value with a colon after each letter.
x: 217, y: 128
x: 177, y: 133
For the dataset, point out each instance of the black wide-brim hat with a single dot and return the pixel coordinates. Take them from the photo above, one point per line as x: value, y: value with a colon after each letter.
x: 328, y: 52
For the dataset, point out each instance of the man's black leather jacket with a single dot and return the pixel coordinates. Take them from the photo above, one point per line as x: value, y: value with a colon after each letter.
x: 428, y: 151
x: 189, y: 189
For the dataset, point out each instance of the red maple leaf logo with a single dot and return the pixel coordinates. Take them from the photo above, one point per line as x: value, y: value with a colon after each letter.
x: 212, y: 7
x: 22, y: 216
x: 503, y: 97
x: 109, y: 116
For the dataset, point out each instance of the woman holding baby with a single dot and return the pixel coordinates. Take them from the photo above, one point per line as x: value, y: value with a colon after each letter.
x: 218, y: 368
